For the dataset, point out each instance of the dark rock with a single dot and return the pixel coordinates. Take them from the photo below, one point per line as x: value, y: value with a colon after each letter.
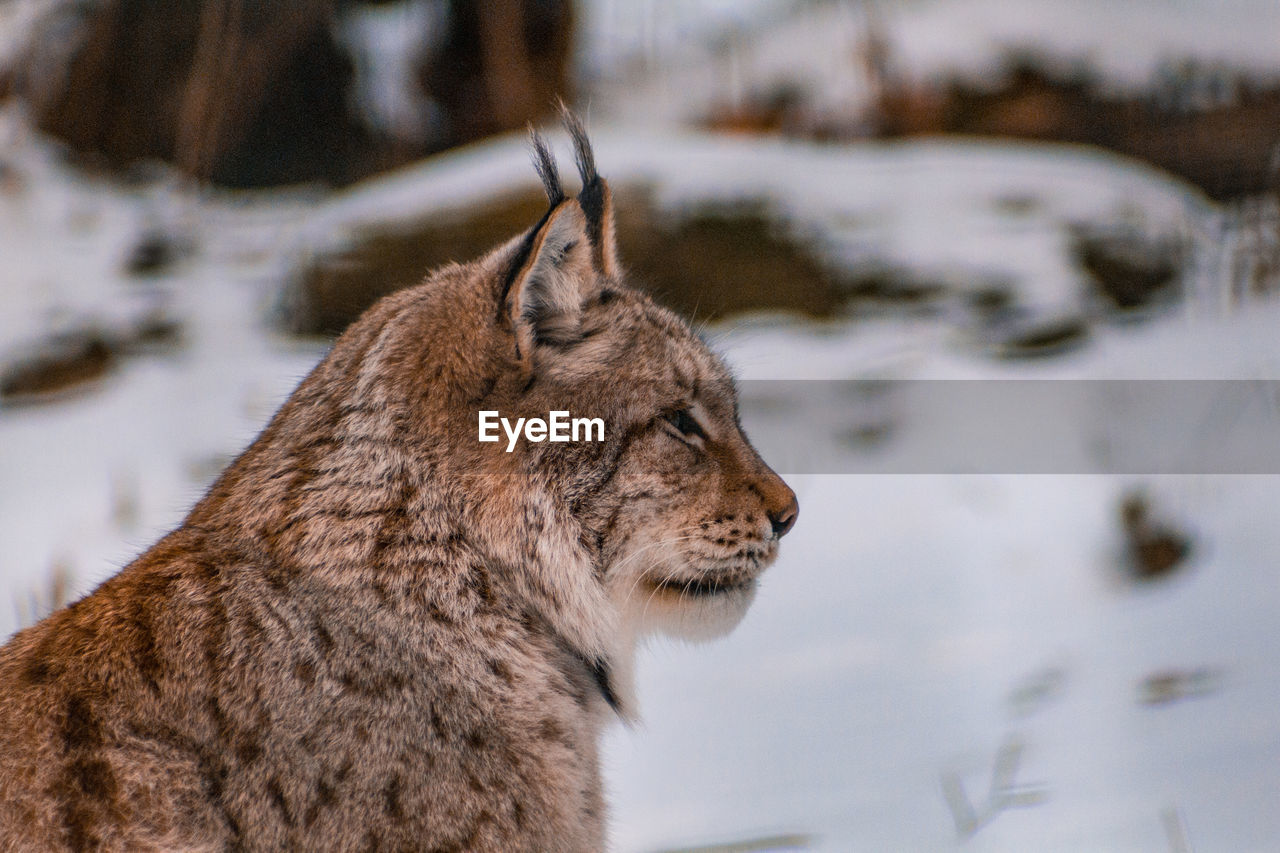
x: 78, y: 359
x: 1221, y: 143
x: 1166, y: 686
x: 706, y: 264
x: 713, y: 262
x: 66, y: 362
x: 1038, y: 338
x: 154, y: 254
x: 894, y: 287
x: 1129, y: 272
x: 1152, y: 549
x: 156, y: 332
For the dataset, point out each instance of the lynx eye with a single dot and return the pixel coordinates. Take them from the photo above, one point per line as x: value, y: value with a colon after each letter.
x: 683, y: 421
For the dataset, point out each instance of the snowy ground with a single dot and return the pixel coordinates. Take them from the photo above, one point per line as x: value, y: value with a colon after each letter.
x: 886, y: 650
x: 915, y: 628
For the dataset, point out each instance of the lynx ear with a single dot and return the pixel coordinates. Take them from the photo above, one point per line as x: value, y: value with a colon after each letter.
x: 544, y: 301
x: 596, y: 198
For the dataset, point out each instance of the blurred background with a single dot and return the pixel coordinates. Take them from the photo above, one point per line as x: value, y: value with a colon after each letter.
x: 1068, y: 649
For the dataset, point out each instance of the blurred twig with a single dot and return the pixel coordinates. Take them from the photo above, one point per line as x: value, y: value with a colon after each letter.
x: 39, y: 603
x: 1002, y: 794
x: 1176, y: 830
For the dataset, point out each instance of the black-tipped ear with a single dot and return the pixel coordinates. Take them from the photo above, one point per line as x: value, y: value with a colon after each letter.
x: 545, y: 165
x: 596, y: 199
x: 544, y: 301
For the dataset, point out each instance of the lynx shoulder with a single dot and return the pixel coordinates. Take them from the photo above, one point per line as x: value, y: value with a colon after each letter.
x: 377, y: 632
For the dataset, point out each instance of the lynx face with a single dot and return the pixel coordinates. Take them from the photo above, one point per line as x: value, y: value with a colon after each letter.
x: 681, y: 512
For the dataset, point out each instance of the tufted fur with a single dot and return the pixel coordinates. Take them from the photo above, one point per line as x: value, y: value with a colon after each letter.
x: 377, y: 633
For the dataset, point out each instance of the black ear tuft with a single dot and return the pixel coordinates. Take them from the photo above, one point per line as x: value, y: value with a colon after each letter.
x: 581, y: 147
x: 594, y: 198
x: 545, y: 165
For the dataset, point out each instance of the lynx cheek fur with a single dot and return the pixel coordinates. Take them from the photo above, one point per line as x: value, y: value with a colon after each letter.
x: 377, y: 633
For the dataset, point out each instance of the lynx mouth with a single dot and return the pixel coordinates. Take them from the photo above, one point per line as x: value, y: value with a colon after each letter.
x: 707, y: 603
x: 705, y: 587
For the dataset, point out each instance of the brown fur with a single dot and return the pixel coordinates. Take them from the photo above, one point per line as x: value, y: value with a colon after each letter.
x: 376, y: 632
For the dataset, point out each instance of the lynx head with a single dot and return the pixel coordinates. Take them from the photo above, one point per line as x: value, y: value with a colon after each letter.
x: 677, y: 510
x: 665, y: 523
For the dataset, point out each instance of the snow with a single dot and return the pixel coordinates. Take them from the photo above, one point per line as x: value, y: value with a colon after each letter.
x: 45, y: 216
x: 1126, y: 44
x: 677, y: 61
x: 884, y: 645
x: 881, y: 654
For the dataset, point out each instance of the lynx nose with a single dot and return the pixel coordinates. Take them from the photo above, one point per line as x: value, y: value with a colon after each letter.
x: 785, y: 519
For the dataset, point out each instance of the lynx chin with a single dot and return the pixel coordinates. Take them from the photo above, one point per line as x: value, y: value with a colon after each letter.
x: 376, y: 633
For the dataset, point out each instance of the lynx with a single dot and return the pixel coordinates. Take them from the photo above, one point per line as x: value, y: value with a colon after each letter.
x: 376, y: 632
